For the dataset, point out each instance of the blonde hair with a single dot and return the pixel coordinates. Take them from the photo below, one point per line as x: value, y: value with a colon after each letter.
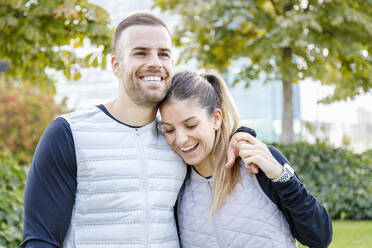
x: 210, y: 91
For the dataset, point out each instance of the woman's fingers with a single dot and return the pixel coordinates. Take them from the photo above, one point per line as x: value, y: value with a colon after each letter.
x: 242, y: 136
x: 233, y: 150
x: 255, y: 154
x: 250, y: 159
x: 261, y: 157
x: 247, y: 149
x: 251, y: 168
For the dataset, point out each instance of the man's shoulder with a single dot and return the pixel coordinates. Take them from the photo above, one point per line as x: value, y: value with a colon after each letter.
x: 57, y: 136
x: 57, y: 128
x: 88, y: 113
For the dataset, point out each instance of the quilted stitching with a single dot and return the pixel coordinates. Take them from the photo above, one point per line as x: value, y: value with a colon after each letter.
x: 248, y: 218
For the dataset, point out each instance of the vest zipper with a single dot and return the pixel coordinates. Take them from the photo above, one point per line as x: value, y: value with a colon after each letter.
x: 146, y: 217
x: 215, y: 221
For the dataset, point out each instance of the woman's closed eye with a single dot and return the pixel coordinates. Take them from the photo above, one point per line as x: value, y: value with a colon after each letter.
x: 168, y: 130
x: 191, y: 126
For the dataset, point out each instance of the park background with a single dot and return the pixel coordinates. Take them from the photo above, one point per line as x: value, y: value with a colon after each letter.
x: 55, y: 59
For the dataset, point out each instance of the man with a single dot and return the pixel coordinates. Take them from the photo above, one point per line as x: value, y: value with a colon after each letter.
x: 102, y: 176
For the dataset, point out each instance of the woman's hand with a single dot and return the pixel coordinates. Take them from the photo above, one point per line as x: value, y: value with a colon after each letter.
x: 233, y: 152
x: 253, y: 152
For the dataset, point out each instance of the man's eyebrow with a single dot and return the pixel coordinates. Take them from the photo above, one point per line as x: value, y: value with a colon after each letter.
x: 146, y: 49
x: 141, y: 48
x: 165, y: 49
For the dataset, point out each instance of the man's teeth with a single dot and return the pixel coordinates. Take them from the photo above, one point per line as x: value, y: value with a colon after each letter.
x: 185, y: 149
x: 152, y: 78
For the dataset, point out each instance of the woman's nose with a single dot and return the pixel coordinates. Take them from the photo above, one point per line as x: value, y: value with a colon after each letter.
x: 181, y: 138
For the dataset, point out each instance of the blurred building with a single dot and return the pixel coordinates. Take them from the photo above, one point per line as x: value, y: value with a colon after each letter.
x: 356, y: 136
x: 260, y: 107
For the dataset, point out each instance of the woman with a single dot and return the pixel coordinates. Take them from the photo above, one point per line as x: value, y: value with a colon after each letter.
x: 221, y: 207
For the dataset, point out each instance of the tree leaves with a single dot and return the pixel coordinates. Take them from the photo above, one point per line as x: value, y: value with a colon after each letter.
x: 326, y: 39
x: 45, y: 34
x: 286, y: 40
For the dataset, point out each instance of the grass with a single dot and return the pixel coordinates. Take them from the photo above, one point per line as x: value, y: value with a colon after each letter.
x: 355, y: 234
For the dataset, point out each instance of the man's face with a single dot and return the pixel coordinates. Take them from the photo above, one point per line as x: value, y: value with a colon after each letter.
x: 144, y: 63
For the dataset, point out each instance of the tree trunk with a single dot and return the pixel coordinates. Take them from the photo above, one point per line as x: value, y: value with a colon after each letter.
x: 287, y: 135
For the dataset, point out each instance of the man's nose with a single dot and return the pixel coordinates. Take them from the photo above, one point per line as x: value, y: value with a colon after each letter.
x: 154, y: 61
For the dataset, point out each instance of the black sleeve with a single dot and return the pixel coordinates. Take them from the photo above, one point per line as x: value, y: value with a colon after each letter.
x: 245, y: 130
x: 307, y: 218
x: 51, y: 187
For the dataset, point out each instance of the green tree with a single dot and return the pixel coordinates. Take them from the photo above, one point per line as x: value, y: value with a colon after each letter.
x: 40, y: 34
x: 286, y: 40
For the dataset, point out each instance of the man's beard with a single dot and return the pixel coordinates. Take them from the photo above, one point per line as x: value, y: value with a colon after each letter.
x: 143, y: 96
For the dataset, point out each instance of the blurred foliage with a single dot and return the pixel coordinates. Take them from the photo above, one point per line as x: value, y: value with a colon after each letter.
x: 25, y: 112
x: 286, y: 40
x: 368, y: 154
x: 12, y: 184
x: 339, y: 178
x: 346, y: 141
x: 36, y: 35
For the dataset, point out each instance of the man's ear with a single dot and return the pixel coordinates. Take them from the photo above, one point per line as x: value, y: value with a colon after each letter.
x: 115, y: 65
x: 217, y: 118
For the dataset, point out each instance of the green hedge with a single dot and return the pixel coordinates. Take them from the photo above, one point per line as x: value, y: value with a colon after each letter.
x: 340, y: 180
x: 12, y: 183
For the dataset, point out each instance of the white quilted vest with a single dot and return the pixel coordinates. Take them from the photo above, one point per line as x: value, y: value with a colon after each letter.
x: 127, y: 184
x: 247, y: 219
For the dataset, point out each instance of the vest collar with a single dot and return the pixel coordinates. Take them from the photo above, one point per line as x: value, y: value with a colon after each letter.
x: 195, y: 176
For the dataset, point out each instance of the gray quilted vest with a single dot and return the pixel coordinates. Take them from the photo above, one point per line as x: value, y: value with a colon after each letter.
x: 127, y: 184
x: 247, y: 219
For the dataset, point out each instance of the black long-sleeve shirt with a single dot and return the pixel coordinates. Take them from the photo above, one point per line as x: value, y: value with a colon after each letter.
x: 307, y: 218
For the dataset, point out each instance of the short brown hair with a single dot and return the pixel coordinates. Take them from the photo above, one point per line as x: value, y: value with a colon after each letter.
x: 136, y: 19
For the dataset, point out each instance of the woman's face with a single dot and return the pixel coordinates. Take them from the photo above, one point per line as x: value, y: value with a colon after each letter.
x: 190, y: 130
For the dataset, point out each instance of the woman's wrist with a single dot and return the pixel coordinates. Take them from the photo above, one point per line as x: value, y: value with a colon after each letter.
x: 276, y: 171
x: 287, y: 173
